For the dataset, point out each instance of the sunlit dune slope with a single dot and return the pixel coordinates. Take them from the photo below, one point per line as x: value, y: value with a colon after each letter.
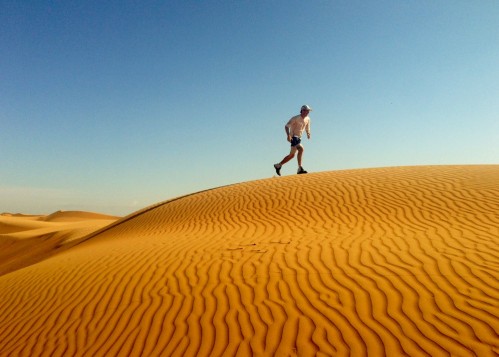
x: 391, y: 261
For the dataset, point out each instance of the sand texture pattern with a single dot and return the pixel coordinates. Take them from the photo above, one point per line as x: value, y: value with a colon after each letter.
x: 391, y: 261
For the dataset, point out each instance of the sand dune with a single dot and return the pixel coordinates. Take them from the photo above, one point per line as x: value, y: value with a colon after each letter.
x: 390, y: 261
x: 25, y: 240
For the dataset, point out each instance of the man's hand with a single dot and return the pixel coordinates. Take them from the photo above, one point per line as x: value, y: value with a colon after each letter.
x: 308, y: 136
x: 289, y: 138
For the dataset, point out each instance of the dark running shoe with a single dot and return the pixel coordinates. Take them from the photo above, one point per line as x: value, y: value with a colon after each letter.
x: 301, y: 170
x: 277, y: 168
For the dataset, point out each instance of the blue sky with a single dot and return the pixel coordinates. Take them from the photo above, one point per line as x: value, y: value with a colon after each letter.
x: 110, y: 106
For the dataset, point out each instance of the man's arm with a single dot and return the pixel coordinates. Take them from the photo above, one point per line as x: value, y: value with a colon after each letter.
x: 287, y: 129
x: 307, y: 129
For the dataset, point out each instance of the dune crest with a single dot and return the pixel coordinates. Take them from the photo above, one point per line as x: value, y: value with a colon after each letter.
x: 75, y: 216
x: 390, y: 261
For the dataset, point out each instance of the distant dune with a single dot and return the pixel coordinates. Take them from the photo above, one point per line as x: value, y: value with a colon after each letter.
x: 391, y: 261
x: 27, y: 239
x: 75, y: 216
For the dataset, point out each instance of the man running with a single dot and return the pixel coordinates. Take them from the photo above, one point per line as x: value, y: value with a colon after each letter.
x: 294, y: 130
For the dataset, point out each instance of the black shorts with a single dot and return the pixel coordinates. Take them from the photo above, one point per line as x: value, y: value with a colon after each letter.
x: 295, y: 141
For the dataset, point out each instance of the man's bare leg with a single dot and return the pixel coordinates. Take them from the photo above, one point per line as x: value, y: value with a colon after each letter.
x: 286, y: 159
x: 283, y: 161
x: 300, y: 153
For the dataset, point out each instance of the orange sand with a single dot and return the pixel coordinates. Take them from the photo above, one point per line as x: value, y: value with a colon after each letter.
x: 391, y: 261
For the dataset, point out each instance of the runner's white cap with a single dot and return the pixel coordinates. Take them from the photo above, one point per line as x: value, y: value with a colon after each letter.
x: 306, y: 107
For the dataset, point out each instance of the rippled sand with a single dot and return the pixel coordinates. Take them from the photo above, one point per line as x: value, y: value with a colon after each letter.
x: 391, y: 261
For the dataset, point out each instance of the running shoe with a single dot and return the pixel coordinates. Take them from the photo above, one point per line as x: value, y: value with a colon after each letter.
x: 277, y: 168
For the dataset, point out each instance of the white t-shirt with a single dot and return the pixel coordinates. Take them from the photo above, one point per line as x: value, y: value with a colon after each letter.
x: 297, y: 125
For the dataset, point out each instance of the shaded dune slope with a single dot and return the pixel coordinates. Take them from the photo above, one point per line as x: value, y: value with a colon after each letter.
x: 395, y: 261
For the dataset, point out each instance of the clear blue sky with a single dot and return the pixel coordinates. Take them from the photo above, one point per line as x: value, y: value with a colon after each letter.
x: 110, y: 106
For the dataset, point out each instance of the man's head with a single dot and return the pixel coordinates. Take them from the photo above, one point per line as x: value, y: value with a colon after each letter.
x: 305, y: 109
